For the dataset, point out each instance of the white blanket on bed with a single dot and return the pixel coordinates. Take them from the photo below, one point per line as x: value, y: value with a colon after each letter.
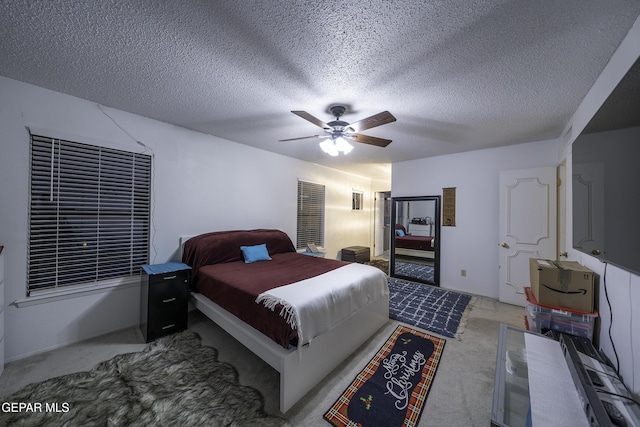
x: 315, y: 305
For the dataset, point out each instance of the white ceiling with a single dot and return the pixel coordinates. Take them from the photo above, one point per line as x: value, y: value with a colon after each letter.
x: 457, y: 75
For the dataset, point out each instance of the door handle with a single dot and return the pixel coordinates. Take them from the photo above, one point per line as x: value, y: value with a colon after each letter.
x: 505, y: 245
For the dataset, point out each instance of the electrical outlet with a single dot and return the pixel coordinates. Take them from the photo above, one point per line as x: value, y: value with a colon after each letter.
x: 463, y: 273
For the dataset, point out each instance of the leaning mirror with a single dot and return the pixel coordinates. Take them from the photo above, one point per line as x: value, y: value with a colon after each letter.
x: 415, y: 239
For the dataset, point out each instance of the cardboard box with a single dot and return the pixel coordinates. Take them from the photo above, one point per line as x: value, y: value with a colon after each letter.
x: 562, y: 284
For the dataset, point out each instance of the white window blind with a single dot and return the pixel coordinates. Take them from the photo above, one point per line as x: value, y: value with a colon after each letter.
x: 89, y: 213
x: 310, y: 214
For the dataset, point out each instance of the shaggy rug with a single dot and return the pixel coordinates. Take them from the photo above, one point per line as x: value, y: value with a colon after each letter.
x: 174, y: 381
x: 392, y: 388
x: 436, y: 310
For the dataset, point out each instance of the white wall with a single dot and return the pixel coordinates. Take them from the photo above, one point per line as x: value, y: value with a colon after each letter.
x: 200, y: 183
x: 472, y: 244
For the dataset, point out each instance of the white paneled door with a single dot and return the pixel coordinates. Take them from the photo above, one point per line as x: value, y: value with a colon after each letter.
x: 528, y: 227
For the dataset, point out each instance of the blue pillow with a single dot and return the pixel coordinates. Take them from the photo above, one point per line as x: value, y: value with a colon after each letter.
x: 255, y: 253
x: 399, y: 232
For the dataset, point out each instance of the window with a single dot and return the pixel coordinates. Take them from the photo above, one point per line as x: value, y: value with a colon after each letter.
x: 310, y: 214
x: 89, y: 213
x: 356, y: 200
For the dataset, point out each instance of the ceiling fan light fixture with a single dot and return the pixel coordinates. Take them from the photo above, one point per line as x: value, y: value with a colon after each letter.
x: 339, y: 132
x: 343, y: 145
x: 333, y: 146
x: 329, y: 147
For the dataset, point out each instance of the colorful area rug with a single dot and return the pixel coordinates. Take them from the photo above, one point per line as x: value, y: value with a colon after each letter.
x: 393, y: 387
x: 433, y: 309
x: 174, y: 381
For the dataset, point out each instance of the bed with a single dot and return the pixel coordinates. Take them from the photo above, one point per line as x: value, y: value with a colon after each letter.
x: 288, y: 308
x: 413, y: 245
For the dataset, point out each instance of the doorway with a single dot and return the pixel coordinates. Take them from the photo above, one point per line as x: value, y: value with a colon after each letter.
x: 382, y: 225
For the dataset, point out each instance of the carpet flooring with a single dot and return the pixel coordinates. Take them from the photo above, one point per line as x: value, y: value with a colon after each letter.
x: 174, y: 381
x: 460, y: 394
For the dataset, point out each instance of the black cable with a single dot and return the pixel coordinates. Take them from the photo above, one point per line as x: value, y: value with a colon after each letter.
x: 599, y: 390
x: 616, y: 377
x: 606, y: 294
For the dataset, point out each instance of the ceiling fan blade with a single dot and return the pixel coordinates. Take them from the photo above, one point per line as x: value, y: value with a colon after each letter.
x: 304, y: 137
x: 316, y: 121
x: 373, y: 121
x: 371, y: 140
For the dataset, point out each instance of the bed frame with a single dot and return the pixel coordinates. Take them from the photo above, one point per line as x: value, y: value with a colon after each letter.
x: 299, y: 373
x: 300, y: 369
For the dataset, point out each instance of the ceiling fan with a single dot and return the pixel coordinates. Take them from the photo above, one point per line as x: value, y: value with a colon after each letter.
x: 338, y: 133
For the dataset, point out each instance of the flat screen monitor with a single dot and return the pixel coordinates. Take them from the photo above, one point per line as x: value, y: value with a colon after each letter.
x: 606, y: 196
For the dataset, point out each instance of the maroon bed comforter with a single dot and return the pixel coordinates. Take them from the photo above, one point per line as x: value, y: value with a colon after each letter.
x: 235, y: 286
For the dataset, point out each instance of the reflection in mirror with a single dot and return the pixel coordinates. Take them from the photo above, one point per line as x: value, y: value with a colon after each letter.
x: 415, y: 249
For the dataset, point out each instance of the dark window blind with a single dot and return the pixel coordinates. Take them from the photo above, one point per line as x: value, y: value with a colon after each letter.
x: 310, y: 214
x: 89, y: 213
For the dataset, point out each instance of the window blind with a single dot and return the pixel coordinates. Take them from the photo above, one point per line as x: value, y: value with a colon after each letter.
x: 89, y: 213
x: 310, y: 214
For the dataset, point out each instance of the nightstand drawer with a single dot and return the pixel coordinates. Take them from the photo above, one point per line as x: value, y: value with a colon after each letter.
x: 172, y: 290
x: 165, y: 322
x: 164, y: 299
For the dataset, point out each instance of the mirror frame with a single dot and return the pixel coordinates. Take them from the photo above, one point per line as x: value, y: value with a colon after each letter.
x: 436, y: 224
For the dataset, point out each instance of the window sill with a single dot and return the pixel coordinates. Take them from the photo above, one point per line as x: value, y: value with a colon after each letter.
x: 44, y: 297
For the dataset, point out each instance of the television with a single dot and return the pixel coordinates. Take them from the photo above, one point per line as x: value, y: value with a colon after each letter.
x: 606, y: 179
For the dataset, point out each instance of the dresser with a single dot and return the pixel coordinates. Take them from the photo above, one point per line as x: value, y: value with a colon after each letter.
x: 164, y: 299
x: 420, y: 229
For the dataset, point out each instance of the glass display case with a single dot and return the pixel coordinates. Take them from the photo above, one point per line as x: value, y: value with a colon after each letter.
x: 511, y: 405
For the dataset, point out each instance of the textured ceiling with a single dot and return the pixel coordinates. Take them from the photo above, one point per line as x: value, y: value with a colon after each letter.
x: 457, y: 75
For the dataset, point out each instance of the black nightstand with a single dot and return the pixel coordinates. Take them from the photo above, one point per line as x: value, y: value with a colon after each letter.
x: 164, y: 299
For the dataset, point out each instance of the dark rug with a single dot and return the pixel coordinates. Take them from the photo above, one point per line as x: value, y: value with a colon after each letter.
x: 392, y: 388
x: 436, y: 310
x: 174, y: 381
x: 419, y: 271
